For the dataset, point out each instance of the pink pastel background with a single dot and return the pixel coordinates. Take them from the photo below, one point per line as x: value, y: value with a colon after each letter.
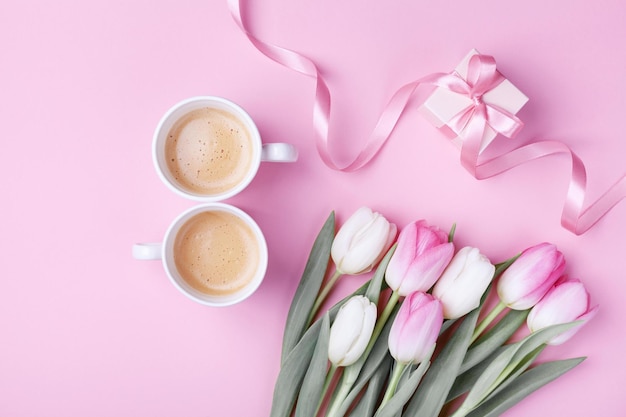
x: 88, y: 331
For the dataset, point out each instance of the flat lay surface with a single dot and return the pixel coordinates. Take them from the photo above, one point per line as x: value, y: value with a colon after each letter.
x: 88, y: 330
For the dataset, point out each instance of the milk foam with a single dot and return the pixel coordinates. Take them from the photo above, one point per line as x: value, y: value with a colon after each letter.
x: 209, y: 151
x: 216, y: 253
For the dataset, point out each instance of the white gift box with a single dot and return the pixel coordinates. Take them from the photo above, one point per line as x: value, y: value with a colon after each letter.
x: 442, y: 105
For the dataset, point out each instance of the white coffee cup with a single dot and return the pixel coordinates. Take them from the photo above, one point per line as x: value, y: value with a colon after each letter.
x: 184, y: 161
x: 194, y: 242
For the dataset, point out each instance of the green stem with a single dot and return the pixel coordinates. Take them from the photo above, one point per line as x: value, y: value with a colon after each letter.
x: 340, y: 396
x: 329, y: 378
x: 487, y: 320
x: 380, y: 323
x: 398, y: 369
x: 322, y: 295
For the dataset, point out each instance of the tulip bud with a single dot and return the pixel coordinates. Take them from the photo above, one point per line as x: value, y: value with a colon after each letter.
x: 415, y: 329
x: 351, y: 331
x: 422, y: 254
x: 362, y: 241
x: 566, y: 302
x: 528, y: 279
x: 463, y: 282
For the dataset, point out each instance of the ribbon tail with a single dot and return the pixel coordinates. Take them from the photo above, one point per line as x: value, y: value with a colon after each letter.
x: 573, y: 218
x: 601, y: 206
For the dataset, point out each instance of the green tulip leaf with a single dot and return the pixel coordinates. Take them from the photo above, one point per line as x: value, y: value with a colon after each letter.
x: 494, y: 338
x: 313, y: 383
x: 446, y: 325
x: 507, y: 361
x: 451, y: 233
x: 433, y: 391
x: 485, y: 383
x: 375, y: 284
x: 540, y: 337
x: 524, y: 385
x: 309, y: 287
x: 367, y: 404
x: 502, y: 266
x: 292, y: 373
x: 405, y: 391
x: 464, y: 382
x: 518, y: 370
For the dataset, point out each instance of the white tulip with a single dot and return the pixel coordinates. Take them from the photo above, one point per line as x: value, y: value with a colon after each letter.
x: 351, y: 331
x: 362, y: 241
x: 463, y: 282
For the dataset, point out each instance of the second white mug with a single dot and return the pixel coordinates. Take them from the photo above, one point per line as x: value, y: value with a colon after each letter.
x: 214, y: 253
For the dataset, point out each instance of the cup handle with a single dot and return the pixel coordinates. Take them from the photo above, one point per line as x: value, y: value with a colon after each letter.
x: 279, y: 152
x: 147, y: 251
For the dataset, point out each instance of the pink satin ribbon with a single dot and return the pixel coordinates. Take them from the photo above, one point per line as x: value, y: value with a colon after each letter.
x: 482, y: 77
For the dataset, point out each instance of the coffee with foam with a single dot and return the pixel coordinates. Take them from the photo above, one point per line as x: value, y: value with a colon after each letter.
x: 209, y: 151
x: 216, y: 253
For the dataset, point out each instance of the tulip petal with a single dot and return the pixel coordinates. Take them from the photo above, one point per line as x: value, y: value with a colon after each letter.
x: 402, y: 257
x: 366, y: 246
x: 343, y: 239
x: 562, y: 338
x: 428, y: 237
x: 351, y: 330
x: 463, y: 283
x: 422, y: 254
x: 422, y: 274
x: 415, y: 328
x: 566, y: 302
x: 528, y: 279
x: 344, y: 331
x: 368, y: 320
x: 361, y: 242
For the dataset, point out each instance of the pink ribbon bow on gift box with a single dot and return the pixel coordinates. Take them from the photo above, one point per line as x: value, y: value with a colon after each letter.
x: 482, y: 78
x: 471, y: 122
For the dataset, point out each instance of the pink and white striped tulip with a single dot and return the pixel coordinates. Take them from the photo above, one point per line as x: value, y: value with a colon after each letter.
x: 362, y: 241
x: 566, y: 302
x: 415, y: 329
x: 422, y: 254
x: 530, y: 277
x: 463, y: 282
x: 351, y: 331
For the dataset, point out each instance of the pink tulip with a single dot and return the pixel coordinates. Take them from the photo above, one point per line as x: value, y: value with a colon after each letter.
x: 423, y: 252
x: 362, y: 241
x: 530, y: 277
x: 415, y: 329
x: 566, y: 302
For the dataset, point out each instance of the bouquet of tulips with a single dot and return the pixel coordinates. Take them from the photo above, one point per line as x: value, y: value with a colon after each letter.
x: 415, y: 340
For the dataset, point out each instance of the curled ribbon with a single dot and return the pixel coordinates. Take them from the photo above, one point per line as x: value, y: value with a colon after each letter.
x: 482, y: 77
